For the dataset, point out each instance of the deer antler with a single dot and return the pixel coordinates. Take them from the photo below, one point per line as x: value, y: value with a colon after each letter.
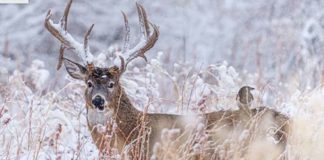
x: 146, y: 42
x: 59, y: 31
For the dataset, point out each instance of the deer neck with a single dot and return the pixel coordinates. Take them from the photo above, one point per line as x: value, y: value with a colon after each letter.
x: 126, y: 115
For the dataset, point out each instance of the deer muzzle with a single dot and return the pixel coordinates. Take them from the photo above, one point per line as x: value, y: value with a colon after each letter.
x: 98, y: 102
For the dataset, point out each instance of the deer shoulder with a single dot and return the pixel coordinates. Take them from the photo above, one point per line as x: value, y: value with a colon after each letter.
x: 113, y: 121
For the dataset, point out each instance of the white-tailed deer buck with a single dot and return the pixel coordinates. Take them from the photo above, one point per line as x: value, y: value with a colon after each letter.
x: 107, y: 101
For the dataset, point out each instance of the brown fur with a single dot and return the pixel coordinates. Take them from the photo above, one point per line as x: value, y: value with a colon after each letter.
x: 129, y: 120
x: 144, y: 129
x: 133, y: 125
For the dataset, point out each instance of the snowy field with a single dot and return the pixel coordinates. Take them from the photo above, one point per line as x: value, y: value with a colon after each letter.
x: 206, y: 51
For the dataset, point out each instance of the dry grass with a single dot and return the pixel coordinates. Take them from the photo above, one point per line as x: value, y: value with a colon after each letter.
x: 52, y: 124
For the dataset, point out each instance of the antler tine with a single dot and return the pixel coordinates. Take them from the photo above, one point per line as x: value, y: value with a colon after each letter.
x: 147, y: 41
x: 61, y: 57
x: 127, y: 33
x: 126, y: 43
x: 65, y: 15
x: 64, y: 26
x: 150, y: 41
x: 122, y: 64
x: 86, y: 44
x: 144, y: 25
x: 49, y: 25
x: 60, y: 33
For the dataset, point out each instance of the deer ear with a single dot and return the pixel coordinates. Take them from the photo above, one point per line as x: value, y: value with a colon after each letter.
x: 114, y: 70
x: 74, y: 69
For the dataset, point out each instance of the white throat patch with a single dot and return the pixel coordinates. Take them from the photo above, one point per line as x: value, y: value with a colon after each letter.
x: 96, y: 117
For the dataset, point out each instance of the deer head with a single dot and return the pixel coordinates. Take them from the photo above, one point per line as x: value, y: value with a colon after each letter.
x: 102, y: 83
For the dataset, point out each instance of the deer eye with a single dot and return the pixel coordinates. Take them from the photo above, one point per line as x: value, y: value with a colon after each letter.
x: 111, y: 85
x: 89, y: 83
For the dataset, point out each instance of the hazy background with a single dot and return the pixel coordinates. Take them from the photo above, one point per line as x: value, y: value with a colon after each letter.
x: 206, y: 51
x: 279, y: 41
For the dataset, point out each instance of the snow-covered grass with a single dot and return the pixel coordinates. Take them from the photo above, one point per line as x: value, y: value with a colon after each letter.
x: 43, y: 125
x: 51, y: 124
x: 209, y: 50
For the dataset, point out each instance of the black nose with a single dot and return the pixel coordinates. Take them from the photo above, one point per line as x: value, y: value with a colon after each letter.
x: 98, y: 102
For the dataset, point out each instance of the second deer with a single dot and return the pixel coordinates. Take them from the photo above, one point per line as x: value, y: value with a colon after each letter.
x: 106, y: 100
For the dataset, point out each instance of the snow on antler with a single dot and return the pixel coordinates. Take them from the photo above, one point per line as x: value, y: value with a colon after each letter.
x: 146, y: 42
x: 59, y: 31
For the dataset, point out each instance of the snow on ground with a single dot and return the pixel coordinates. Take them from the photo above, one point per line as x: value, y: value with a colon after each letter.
x: 51, y: 124
x: 207, y: 50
